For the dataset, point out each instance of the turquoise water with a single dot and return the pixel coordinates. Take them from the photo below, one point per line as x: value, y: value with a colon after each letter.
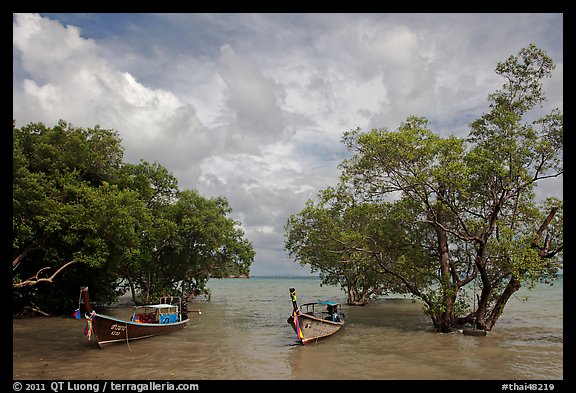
x: 242, y: 334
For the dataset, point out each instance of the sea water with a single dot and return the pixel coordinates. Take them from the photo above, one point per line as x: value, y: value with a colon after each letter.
x: 242, y: 334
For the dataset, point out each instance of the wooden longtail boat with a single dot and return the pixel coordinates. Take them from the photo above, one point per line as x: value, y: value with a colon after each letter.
x: 313, y: 325
x: 147, y: 321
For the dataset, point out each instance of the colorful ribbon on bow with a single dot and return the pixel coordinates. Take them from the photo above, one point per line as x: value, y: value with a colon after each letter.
x: 88, y: 327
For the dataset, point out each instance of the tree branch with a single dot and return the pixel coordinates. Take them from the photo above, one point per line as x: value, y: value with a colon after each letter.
x: 36, y: 279
x: 544, y: 251
x: 23, y: 254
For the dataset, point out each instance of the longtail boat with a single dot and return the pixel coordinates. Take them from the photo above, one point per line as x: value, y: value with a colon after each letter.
x: 146, y: 321
x: 312, y: 324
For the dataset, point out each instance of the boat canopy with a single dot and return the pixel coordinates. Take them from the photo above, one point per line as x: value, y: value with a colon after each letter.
x: 325, y: 303
x: 156, y: 313
x: 156, y: 306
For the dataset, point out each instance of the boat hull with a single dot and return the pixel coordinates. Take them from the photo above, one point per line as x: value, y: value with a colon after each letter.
x: 109, y: 330
x: 314, y: 328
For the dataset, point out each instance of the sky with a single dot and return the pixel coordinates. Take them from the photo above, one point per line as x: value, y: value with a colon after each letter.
x: 253, y: 106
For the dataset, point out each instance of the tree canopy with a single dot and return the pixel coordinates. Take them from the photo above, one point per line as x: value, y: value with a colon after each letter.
x: 81, y: 216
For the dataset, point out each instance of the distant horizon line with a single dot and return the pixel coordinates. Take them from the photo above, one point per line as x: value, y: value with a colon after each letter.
x: 560, y: 273
x: 272, y: 275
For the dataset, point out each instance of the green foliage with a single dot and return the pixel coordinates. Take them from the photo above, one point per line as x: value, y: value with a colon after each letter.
x: 192, y: 241
x: 156, y: 185
x: 83, y: 217
x: 349, y: 242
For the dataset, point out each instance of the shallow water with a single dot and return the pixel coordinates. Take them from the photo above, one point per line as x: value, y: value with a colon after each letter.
x: 242, y: 334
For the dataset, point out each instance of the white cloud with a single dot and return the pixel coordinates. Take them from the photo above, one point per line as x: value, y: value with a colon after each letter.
x: 68, y: 80
x: 254, y: 98
x: 253, y: 106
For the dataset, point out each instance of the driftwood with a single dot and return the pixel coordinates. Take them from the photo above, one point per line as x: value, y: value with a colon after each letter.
x: 31, y: 311
x: 474, y: 332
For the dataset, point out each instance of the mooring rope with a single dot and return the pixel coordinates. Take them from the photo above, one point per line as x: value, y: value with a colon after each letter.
x: 127, y: 340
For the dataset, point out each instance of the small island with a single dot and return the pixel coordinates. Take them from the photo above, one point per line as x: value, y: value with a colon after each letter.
x: 239, y: 276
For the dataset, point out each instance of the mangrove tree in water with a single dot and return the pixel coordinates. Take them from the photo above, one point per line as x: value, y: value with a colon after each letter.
x: 445, y: 217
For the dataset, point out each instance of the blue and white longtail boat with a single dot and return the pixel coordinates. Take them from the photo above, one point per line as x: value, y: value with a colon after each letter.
x: 320, y: 319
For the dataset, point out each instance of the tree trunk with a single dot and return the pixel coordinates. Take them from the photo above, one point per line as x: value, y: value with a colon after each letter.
x: 445, y: 316
x: 132, y: 290
x: 486, y: 319
x: 483, y: 298
x: 444, y: 320
x: 498, y: 309
x: 355, y: 298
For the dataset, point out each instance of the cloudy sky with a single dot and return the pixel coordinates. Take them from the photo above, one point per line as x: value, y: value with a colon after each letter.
x: 252, y: 106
